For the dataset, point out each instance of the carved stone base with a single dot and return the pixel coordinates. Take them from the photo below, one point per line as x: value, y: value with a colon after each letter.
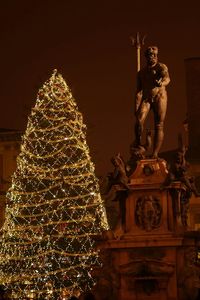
x: 152, y: 269
x: 145, y: 257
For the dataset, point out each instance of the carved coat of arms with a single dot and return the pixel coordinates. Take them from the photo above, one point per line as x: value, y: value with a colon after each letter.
x: 148, y: 213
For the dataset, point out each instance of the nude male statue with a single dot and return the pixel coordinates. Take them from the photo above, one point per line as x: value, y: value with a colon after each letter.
x: 151, y: 94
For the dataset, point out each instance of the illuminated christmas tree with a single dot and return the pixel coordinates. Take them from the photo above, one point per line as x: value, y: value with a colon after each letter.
x: 55, y: 209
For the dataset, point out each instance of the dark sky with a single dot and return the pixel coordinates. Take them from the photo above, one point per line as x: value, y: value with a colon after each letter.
x: 89, y: 43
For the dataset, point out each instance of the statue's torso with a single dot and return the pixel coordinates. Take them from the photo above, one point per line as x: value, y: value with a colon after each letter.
x: 148, y: 77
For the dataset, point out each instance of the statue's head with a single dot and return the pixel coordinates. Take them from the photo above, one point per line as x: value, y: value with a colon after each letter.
x: 151, y: 55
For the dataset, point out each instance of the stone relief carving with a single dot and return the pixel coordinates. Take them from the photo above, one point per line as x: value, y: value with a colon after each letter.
x: 148, y: 213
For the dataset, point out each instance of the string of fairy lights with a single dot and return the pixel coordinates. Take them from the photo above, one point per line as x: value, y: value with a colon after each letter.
x: 54, y: 209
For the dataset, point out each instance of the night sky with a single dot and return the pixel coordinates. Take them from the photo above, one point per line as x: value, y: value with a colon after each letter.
x: 89, y: 43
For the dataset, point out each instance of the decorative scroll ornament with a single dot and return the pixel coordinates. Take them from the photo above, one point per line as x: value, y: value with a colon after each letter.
x: 148, y: 213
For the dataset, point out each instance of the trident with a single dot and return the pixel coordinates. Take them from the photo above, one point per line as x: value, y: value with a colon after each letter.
x: 138, y: 43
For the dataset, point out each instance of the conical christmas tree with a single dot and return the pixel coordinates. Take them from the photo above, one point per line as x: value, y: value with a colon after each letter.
x: 54, y: 209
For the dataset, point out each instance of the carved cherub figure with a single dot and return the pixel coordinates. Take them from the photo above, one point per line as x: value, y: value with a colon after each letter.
x: 179, y: 171
x: 119, y: 175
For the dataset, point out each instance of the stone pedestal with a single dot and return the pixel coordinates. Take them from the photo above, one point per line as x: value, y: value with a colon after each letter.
x: 149, y: 258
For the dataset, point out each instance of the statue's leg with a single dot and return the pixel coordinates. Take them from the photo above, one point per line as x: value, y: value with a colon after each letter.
x: 159, y: 108
x: 140, y: 119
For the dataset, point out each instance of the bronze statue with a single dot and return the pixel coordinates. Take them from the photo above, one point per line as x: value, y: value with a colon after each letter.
x: 178, y: 171
x: 119, y: 175
x: 151, y: 94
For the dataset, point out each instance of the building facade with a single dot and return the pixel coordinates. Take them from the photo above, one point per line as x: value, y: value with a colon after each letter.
x: 9, y: 149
